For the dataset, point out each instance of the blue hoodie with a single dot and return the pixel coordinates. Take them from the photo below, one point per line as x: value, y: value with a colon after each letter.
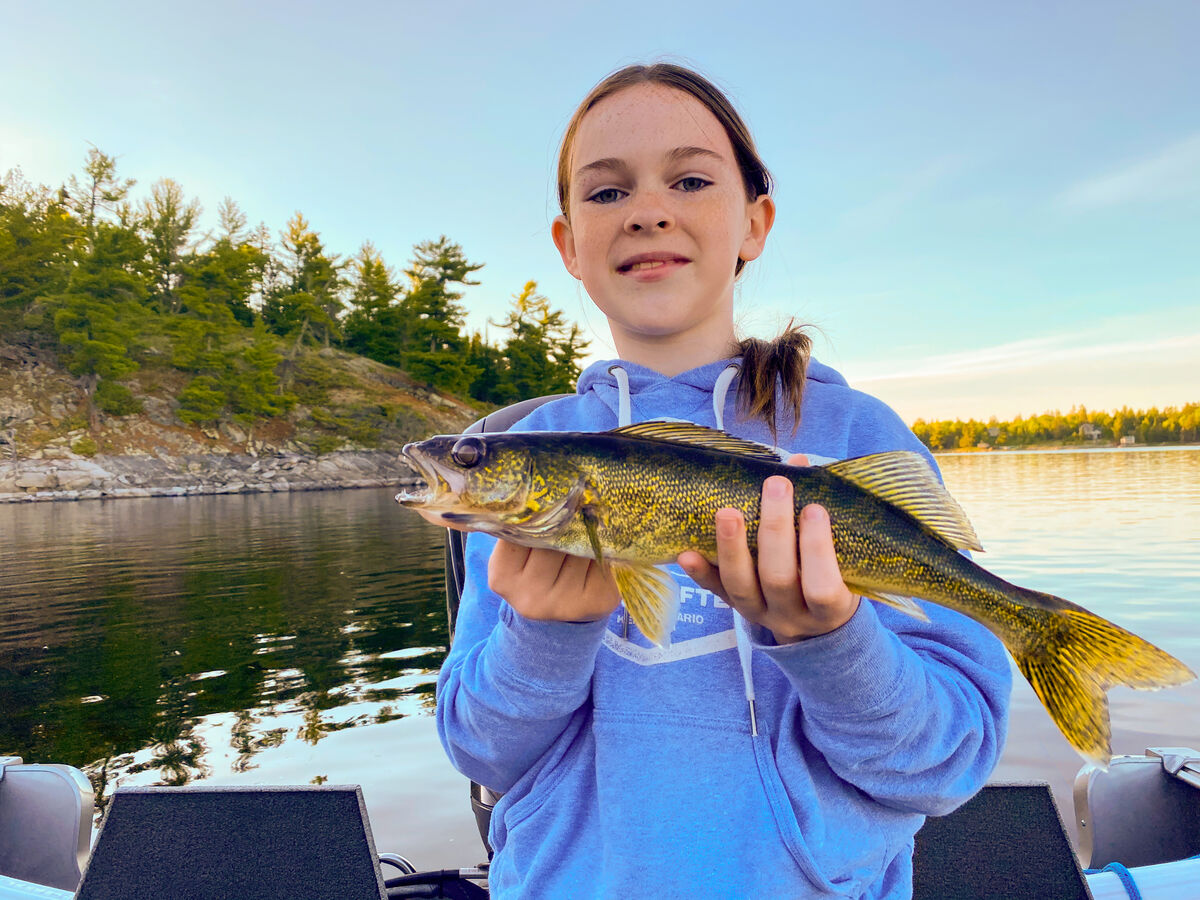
x: 631, y: 770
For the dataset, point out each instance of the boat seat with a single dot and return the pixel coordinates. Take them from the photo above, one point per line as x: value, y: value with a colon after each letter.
x: 1141, y: 810
x: 1007, y: 841
x: 45, y: 822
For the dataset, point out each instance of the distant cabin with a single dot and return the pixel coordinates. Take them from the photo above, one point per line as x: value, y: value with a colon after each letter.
x: 1090, y: 431
x: 1128, y: 440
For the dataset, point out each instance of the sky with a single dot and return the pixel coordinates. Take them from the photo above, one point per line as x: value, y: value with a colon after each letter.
x: 984, y: 209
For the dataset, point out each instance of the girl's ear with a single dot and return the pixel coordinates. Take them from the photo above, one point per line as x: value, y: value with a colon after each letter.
x: 564, y: 240
x: 760, y: 216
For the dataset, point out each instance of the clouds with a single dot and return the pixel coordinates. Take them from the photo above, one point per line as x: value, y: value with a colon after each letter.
x: 1139, y: 361
x: 1171, y: 173
x: 1041, y: 352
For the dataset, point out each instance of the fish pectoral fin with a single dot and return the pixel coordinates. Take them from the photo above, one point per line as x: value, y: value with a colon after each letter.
x: 906, y: 605
x: 591, y: 523
x: 904, y: 479
x: 650, y: 596
x: 698, y: 436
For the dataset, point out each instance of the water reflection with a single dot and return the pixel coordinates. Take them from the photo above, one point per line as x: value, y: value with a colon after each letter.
x: 173, y: 640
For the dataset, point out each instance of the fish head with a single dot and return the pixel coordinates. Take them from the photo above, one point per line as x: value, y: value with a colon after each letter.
x: 498, y: 483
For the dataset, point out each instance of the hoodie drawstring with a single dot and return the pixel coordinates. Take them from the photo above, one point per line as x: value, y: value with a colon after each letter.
x: 741, y: 627
x: 720, y: 389
x: 623, y: 407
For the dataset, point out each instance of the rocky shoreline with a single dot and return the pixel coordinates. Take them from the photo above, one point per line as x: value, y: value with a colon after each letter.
x: 67, y: 476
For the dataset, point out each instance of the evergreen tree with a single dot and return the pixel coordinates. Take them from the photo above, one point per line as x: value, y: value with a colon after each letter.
x: 100, y: 191
x: 434, y: 348
x: 37, y: 238
x: 542, y: 351
x: 231, y: 221
x: 306, y: 302
x: 377, y: 326
x: 491, y: 384
x: 221, y: 281
x: 100, y: 318
x: 255, y: 392
x: 168, y: 221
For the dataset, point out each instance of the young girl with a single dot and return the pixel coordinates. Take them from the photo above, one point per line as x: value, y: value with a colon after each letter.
x: 628, y: 769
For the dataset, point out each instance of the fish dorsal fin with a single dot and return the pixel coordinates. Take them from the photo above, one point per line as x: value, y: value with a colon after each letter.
x: 904, y: 479
x: 699, y: 436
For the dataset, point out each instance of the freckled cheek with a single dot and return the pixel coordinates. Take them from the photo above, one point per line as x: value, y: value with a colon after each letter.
x: 592, y: 248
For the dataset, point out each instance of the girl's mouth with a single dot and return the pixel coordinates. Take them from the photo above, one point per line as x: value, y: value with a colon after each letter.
x: 650, y: 268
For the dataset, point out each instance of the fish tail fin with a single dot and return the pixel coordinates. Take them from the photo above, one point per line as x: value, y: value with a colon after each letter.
x: 1075, y: 656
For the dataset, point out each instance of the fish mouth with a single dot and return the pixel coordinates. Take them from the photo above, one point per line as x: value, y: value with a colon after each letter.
x: 437, y: 485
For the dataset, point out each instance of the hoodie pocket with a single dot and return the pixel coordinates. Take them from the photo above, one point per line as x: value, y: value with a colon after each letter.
x: 855, y: 853
x: 687, y: 790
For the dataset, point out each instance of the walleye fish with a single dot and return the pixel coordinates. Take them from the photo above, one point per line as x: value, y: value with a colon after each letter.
x: 636, y: 497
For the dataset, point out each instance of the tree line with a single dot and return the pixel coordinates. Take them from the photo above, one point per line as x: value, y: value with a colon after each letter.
x: 117, y: 284
x: 1079, y: 426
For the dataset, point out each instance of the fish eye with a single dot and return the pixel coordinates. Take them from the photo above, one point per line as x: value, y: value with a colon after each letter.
x: 467, y: 452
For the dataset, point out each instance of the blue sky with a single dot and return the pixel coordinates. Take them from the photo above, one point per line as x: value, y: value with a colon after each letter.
x: 986, y: 209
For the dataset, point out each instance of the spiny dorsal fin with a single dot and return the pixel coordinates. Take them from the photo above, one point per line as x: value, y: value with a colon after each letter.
x: 904, y: 478
x: 700, y: 436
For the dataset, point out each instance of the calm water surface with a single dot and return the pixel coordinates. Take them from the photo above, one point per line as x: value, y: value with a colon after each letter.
x: 296, y: 638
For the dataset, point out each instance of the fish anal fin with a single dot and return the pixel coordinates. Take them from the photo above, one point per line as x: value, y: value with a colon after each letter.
x: 905, y: 604
x: 699, y: 436
x: 904, y: 479
x: 651, y: 597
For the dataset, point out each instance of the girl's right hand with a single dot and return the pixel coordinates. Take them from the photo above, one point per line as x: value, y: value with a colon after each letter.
x: 549, y: 586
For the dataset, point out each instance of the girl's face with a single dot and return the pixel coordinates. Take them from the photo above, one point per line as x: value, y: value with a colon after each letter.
x: 658, y: 220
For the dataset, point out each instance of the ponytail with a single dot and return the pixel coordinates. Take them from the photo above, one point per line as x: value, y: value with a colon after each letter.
x: 766, y: 364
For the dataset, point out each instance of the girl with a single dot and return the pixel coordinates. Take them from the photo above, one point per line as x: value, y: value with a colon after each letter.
x: 632, y: 770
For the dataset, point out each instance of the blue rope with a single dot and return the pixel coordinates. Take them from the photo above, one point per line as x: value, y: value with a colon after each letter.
x: 1124, y: 875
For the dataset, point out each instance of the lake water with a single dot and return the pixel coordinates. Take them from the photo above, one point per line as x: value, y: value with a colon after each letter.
x: 293, y: 638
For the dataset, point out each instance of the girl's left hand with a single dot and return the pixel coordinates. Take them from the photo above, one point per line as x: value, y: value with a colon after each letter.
x: 796, y: 589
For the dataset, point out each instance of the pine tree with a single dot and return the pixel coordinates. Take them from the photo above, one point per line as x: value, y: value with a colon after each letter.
x: 100, y: 319
x: 542, y: 350
x: 100, y: 191
x: 378, y: 323
x: 167, y: 221
x: 255, y: 393
x: 434, y: 347
x: 306, y: 301
x: 491, y: 384
x: 37, y: 239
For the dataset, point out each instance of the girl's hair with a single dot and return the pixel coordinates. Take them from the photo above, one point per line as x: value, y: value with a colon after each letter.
x: 764, y: 363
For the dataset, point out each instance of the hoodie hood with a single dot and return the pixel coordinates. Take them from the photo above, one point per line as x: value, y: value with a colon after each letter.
x: 688, y: 394
x: 700, y: 378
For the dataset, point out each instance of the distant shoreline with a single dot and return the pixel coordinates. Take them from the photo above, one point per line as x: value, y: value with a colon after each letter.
x: 1069, y: 448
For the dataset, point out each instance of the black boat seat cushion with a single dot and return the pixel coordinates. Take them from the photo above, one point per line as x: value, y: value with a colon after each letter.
x: 1008, y: 841
x: 260, y: 843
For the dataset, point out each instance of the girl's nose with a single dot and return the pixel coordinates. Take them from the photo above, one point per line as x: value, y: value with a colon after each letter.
x: 648, y: 212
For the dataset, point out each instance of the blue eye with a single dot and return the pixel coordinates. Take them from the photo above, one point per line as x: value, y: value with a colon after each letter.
x: 692, y: 183
x: 605, y: 195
